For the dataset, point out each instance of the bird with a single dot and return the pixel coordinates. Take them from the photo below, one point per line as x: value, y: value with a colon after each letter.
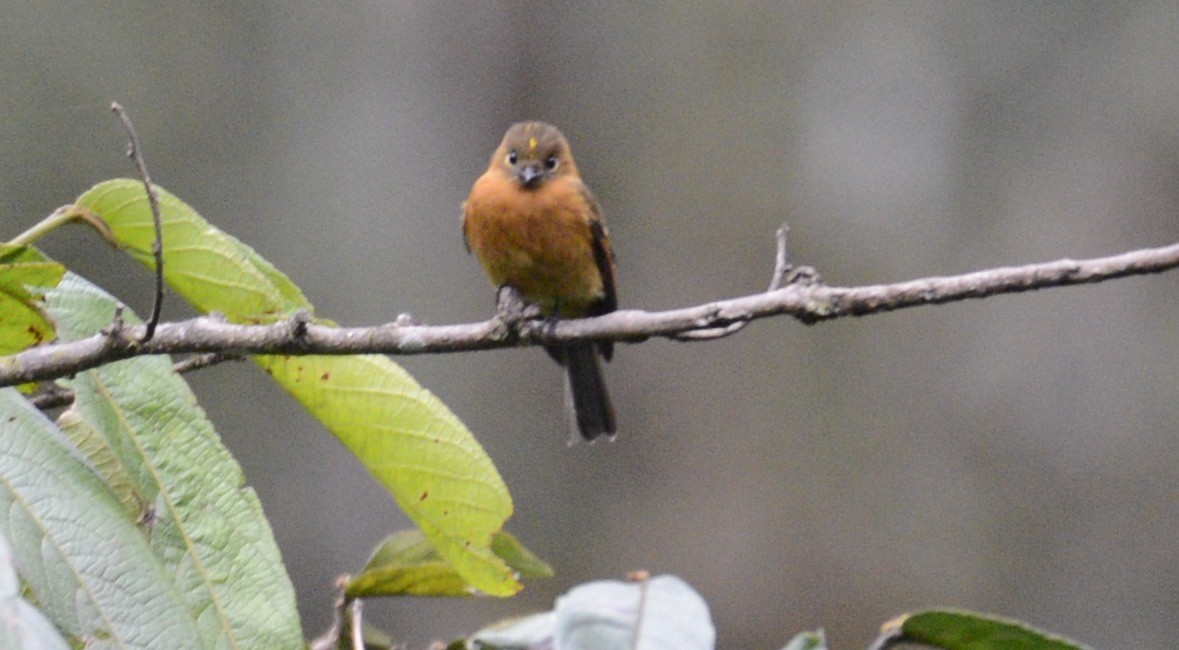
x: 535, y: 226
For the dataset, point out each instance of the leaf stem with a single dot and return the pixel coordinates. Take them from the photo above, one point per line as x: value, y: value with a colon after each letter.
x: 62, y: 215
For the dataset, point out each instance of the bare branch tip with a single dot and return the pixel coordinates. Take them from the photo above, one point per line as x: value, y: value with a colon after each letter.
x: 136, y: 156
x: 782, y: 263
x: 357, y: 624
x: 116, y: 325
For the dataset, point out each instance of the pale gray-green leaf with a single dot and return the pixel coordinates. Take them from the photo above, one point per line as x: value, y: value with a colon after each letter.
x: 663, y: 612
x: 143, y: 431
x: 89, y: 568
x: 533, y: 632
x: 22, y: 626
x: 816, y: 640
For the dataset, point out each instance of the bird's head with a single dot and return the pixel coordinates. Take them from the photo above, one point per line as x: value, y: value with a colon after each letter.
x: 534, y: 152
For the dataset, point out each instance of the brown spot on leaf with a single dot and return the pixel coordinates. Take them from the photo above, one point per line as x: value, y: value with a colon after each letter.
x: 425, y: 495
x: 38, y: 337
x: 325, y: 376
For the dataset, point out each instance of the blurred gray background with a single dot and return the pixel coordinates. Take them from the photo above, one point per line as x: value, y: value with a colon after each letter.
x: 1016, y: 455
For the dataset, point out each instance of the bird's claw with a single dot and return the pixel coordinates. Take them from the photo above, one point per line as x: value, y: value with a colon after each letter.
x: 512, y: 309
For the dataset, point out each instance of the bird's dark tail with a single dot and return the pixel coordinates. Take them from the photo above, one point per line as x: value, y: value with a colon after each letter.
x: 586, y: 399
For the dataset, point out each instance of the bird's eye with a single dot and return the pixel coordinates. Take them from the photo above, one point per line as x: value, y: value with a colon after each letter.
x: 513, y: 157
x: 551, y: 163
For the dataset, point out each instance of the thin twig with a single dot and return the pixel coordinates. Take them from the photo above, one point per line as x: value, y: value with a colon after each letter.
x: 204, y: 360
x: 782, y: 263
x: 808, y: 302
x: 644, y: 579
x: 782, y: 266
x: 53, y: 396
x: 330, y: 639
x: 357, y: 621
x: 157, y: 247
x: 891, y: 633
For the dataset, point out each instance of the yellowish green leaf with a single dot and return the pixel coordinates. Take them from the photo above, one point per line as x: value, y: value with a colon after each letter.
x: 208, y: 267
x: 24, y: 276
x: 414, y: 446
x: 406, y: 564
x: 407, y: 438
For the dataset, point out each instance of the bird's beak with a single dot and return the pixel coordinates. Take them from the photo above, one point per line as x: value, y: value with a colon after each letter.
x: 529, y: 175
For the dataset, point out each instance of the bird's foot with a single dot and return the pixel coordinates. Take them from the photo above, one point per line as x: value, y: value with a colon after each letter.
x: 512, y: 309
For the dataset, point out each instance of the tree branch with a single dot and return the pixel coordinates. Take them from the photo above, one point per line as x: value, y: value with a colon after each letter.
x: 808, y: 301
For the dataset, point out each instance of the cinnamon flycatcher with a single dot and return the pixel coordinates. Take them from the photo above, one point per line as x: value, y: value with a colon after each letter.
x: 535, y: 226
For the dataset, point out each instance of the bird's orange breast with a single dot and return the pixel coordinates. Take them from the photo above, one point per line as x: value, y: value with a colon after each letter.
x: 536, y: 240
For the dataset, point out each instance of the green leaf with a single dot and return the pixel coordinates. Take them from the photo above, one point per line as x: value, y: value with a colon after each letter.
x: 22, y: 626
x: 24, y: 274
x: 522, y: 560
x: 960, y: 630
x: 80, y: 557
x: 415, y: 447
x: 140, y: 427
x: 406, y: 564
x: 404, y: 435
x: 211, y: 269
